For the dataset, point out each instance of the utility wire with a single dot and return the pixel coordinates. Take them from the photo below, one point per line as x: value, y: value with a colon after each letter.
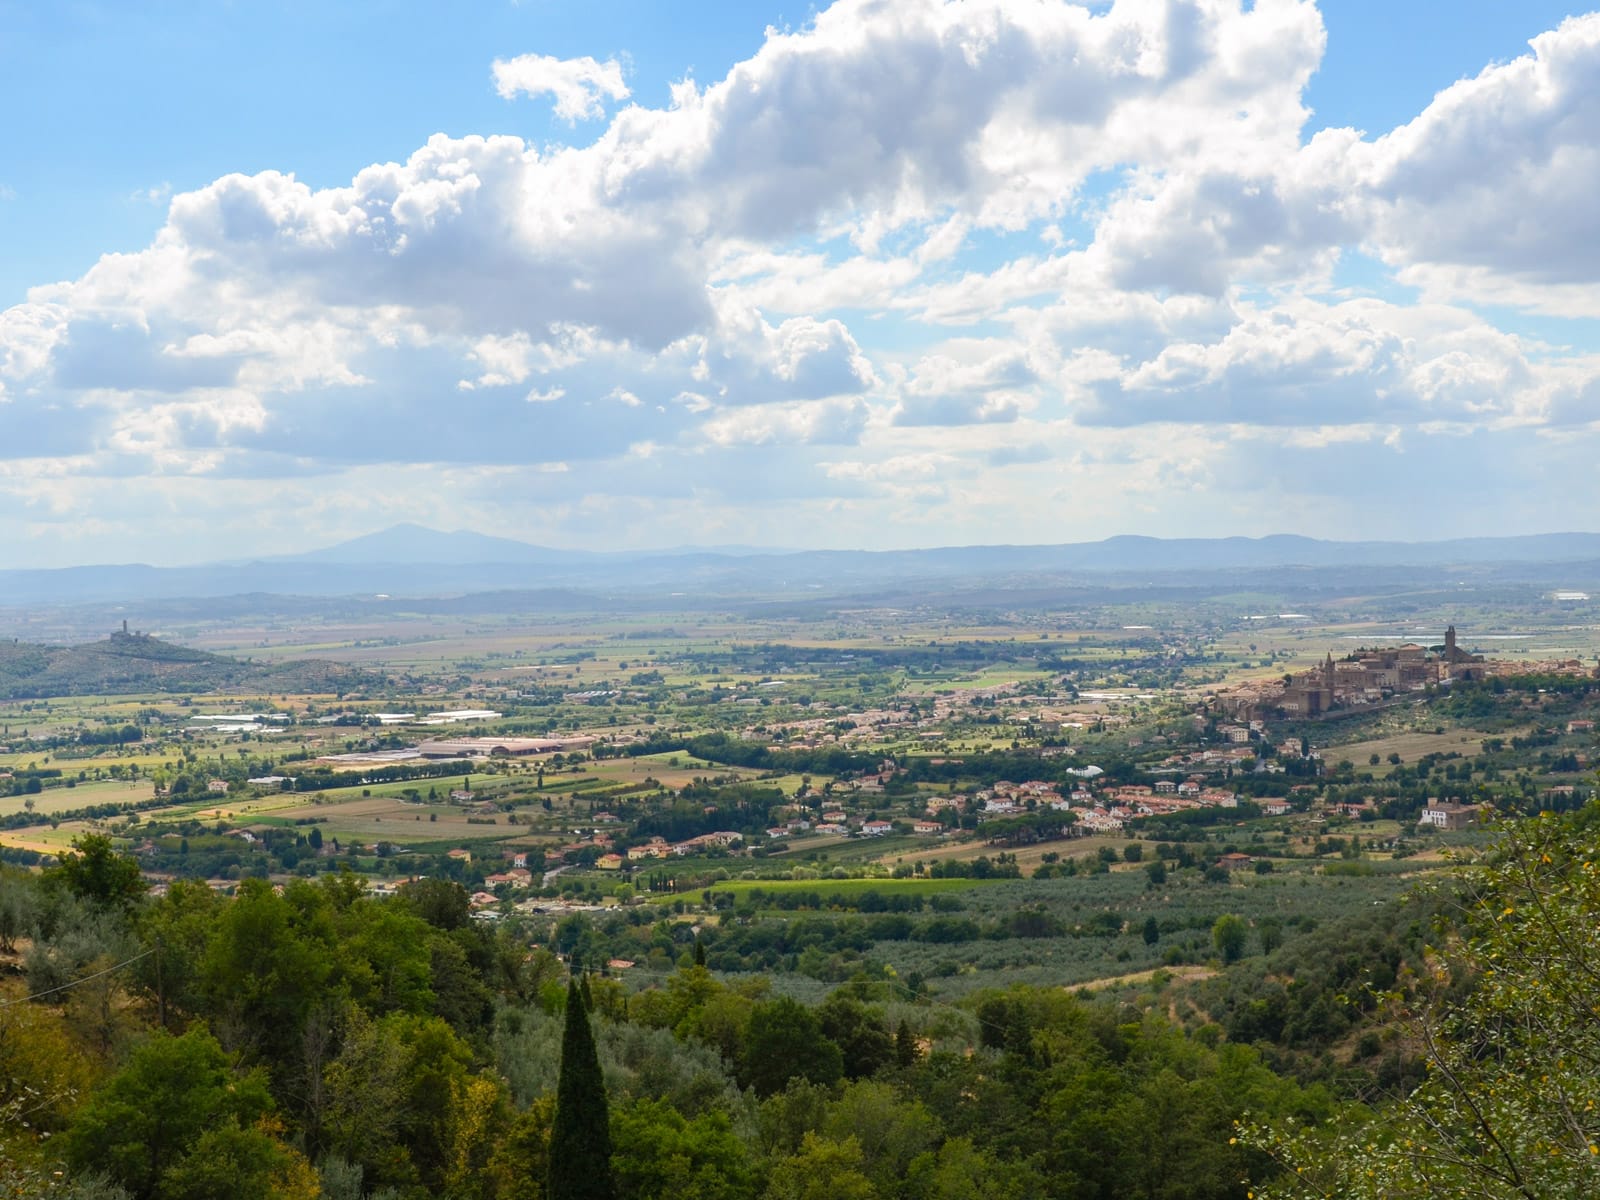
x: 63, y: 987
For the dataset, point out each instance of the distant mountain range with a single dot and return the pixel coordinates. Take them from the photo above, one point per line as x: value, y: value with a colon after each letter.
x: 413, y: 561
x: 410, y: 544
x: 416, y: 544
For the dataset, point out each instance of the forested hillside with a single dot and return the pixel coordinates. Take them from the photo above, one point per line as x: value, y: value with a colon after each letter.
x: 316, y: 1040
x: 130, y: 663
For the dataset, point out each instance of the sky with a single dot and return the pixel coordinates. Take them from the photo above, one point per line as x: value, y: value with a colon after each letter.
x: 886, y: 273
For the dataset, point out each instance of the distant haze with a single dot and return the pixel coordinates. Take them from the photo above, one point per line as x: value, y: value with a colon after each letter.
x: 412, y: 561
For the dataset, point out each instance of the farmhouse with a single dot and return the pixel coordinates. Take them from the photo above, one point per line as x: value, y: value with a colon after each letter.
x: 1449, y: 816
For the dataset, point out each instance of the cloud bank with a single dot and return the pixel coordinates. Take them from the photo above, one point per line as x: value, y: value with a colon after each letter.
x: 916, y: 272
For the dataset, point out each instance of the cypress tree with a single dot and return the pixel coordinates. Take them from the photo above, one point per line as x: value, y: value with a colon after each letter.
x: 580, y: 1135
x: 905, y: 1046
x: 699, y: 953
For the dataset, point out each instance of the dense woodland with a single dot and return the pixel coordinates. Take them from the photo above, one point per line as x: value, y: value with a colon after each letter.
x: 315, y: 1040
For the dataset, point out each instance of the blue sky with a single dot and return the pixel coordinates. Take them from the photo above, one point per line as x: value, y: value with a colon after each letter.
x: 1136, y: 255
x: 186, y: 91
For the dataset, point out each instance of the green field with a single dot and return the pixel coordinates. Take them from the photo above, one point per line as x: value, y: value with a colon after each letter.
x: 84, y: 795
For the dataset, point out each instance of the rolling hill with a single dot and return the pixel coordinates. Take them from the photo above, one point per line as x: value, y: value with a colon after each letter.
x: 126, y: 664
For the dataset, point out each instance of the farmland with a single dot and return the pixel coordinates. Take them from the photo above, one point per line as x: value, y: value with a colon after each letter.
x: 744, y: 756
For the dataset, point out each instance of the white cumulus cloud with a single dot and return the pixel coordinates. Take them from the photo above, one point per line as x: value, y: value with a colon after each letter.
x: 579, y: 86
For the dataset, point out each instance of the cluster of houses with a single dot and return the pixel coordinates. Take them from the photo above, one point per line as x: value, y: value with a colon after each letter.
x: 930, y: 717
x: 838, y: 823
x: 1108, y: 809
x: 658, y: 847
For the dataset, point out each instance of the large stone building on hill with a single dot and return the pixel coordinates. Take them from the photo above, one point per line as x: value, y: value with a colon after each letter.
x: 1365, y: 677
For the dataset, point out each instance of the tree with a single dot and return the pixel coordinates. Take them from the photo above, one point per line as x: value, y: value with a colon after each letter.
x: 520, y: 1164
x: 17, y: 905
x: 269, y: 961
x: 822, y: 1170
x: 891, y: 1131
x: 786, y: 1041
x: 1270, y: 931
x: 365, y: 1090
x: 863, y: 1040
x: 1506, y: 1106
x: 580, y: 1134
x: 98, y: 874
x: 1228, y: 935
x: 960, y: 1171
x: 152, y: 1112
x: 442, y: 903
x: 661, y: 1154
x: 905, y: 1046
x: 1152, y: 931
x: 242, y: 1164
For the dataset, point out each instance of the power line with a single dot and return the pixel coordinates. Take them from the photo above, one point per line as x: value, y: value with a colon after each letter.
x: 63, y: 987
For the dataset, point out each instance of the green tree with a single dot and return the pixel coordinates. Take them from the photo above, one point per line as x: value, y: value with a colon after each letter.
x: 442, y: 903
x: 580, y: 1134
x: 1270, y: 931
x: 661, y: 1155
x: 905, y: 1046
x: 785, y: 1041
x: 17, y: 906
x: 364, y: 1088
x: 891, y: 1131
x: 1228, y: 935
x: 242, y: 1164
x: 270, y: 962
x: 386, y: 959
x: 1507, y: 1106
x: 153, y: 1111
x: 177, y: 927
x: 862, y: 1038
x: 520, y: 1163
x: 822, y: 1170
x: 98, y: 874
x: 960, y: 1171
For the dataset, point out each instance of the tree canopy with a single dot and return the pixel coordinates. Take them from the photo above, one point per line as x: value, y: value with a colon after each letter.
x: 1507, y: 1026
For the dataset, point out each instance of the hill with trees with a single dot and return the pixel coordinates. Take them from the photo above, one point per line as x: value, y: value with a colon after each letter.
x: 317, y: 1040
x: 136, y: 663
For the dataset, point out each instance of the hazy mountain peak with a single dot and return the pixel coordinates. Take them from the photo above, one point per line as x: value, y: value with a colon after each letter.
x: 412, y: 543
